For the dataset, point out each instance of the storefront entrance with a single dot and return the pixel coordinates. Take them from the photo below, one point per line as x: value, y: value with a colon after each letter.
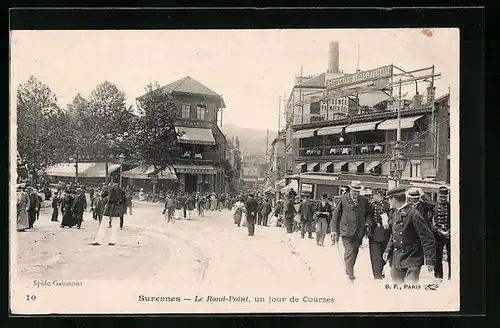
x: 191, y: 182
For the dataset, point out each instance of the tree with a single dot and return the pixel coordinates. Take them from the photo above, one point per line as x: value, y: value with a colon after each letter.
x: 155, y: 137
x: 40, y: 125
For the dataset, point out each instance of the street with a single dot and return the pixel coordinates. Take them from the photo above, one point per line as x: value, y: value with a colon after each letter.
x: 209, y: 250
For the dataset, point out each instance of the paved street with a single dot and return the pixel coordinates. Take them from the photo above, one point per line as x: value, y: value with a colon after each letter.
x: 210, y: 250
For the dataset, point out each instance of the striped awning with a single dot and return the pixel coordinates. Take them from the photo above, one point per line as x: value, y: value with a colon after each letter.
x: 324, y: 166
x: 328, y: 130
x: 370, y: 166
x: 308, y: 133
x: 358, y: 127
x: 201, y: 136
x: 298, y: 166
x: 353, y: 166
x: 337, y: 167
x: 311, y: 166
x: 406, y: 123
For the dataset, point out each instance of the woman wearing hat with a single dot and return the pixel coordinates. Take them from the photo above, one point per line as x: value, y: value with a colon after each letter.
x: 23, y: 203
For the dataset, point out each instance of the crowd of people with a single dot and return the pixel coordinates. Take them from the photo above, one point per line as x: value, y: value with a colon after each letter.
x: 404, y: 228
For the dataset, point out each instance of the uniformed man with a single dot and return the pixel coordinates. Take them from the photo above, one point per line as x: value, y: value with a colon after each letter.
x: 422, y: 203
x: 379, y: 233
x: 441, y: 227
x: 411, y: 244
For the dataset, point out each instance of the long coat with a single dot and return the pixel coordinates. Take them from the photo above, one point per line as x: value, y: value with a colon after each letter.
x: 412, y: 243
x: 350, y: 219
x: 23, y: 202
x: 306, y: 210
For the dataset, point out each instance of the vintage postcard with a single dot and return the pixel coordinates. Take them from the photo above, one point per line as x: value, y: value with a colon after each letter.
x: 234, y: 171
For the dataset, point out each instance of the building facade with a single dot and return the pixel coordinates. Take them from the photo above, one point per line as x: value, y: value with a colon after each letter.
x: 200, y: 167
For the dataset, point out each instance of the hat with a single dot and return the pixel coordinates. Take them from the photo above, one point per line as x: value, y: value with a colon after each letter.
x: 443, y: 191
x: 356, y: 185
x: 396, y: 191
x: 413, y: 193
x: 378, y: 191
x: 324, y: 196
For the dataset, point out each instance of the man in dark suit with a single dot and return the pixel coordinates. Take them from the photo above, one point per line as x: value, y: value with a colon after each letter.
x: 441, y: 228
x: 323, y: 213
x: 306, y: 211
x: 379, y: 233
x: 411, y: 244
x: 351, y: 216
x: 251, y: 212
x: 33, y: 208
x: 79, y: 207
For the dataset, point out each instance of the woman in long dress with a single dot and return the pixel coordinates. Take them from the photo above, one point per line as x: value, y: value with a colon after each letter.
x: 69, y: 218
x: 23, y: 203
x: 238, y: 209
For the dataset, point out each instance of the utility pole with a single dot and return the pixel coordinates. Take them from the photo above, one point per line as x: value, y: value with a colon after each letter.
x: 279, y: 115
x: 357, y: 67
x: 398, y: 138
x: 300, y: 98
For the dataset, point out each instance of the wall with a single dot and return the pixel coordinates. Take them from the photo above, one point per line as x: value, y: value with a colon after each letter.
x: 443, y: 143
x: 211, y: 105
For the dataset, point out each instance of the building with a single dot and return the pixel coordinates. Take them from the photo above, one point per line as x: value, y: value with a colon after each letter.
x: 203, y: 145
x: 276, y: 168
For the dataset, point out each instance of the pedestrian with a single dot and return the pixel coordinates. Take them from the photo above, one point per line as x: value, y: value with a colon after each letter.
x: 68, y: 203
x: 169, y: 208
x: 306, y: 211
x: 101, y: 204
x: 251, y: 214
x: 349, y: 220
x: 123, y: 206
x: 415, y: 197
x: 238, y: 209
x: 323, y: 212
x: 379, y: 232
x: 55, y: 208
x: 184, y: 205
x: 289, y: 212
x: 266, y: 211
x: 116, y: 198
x: 441, y: 227
x: 80, y: 204
x: 292, y: 193
x: 23, y: 205
x: 411, y: 244
x: 33, y: 207
x: 202, y: 201
x: 179, y: 205
x: 189, y: 205
x: 129, y: 201
x: 41, y: 197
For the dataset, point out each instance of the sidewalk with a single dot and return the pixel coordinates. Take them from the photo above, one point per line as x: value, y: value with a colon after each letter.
x: 49, y: 251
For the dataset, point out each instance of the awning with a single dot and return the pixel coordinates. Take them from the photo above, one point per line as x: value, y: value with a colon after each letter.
x: 85, y: 170
x: 293, y: 184
x: 98, y: 170
x: 308, y: 133
x: 280, y: 184
x: 353, y: 166
x: 311, y: 166
x: 299, y: 166
x: 143, y: 173
x: 324, y: 166
x: 200, y: 136
x: 338, y: 166
x: 328, y: 130
x: 406, y: 123
x: 195, y: 169
x: 371, y: 166
x: 367, y: 126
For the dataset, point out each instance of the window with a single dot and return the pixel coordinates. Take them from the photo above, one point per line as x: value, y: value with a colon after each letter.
x: 200, y: 112
x: 415, y: 171
x: 186, y: 110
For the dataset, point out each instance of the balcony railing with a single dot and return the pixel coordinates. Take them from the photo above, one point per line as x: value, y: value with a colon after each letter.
x: 200, y: 157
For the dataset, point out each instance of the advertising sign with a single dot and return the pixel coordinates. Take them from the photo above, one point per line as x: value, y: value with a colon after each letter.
x: 373, y: 74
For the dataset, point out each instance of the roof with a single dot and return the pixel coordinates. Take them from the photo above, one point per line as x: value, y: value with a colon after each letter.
x: 314, y: 82
x: 442, y: 98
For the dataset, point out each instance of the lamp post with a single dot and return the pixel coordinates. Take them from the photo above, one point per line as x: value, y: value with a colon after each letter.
x: 398, y: 159
x: 121, y: 158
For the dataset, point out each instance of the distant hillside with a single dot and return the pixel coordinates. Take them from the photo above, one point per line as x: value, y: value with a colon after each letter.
x: 252, y: 141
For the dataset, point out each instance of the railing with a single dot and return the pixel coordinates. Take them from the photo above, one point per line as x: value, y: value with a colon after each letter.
x: 417, y: 146
x: 200, y: 157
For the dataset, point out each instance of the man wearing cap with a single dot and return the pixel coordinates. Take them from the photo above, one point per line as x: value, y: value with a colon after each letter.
x: 323, y: 212
x: 416, y: 197
x: 441, y: 228
x: 251, y: 214
x: 378, y: 233
x: 411, y: 244
x: 350, y: 218
x: 306, y: 211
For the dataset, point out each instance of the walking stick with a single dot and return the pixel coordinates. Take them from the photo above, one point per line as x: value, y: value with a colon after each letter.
x: 337, y: 242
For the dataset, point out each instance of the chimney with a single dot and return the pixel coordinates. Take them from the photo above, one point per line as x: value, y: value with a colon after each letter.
x: 333, y: 57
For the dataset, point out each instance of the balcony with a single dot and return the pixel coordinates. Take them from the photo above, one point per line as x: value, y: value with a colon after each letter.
x: 199, y: 157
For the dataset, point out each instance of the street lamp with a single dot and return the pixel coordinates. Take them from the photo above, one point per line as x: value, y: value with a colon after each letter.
x: 121, y: 158
x: 397, y: 163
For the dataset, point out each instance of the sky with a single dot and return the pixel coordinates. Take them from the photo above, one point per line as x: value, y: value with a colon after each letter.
x: 251, y: 69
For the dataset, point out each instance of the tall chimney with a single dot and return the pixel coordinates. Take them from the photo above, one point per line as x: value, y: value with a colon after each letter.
x: 333, y: 57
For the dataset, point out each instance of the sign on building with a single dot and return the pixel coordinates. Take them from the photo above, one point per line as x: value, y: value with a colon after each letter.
x: 373, y: 74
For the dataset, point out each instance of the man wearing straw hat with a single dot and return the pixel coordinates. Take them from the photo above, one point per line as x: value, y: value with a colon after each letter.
x: 350, y: 218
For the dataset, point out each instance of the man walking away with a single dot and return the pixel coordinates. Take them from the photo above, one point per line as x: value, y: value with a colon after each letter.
x: 112, y: 210
x: 251, y: 214
x: 350, y: 218
x: 190, y: 206
x: 266, y: 210
x: 55, y: 208
x: 323, y: 212
x: 306, y: 211
x: 290, y: 213
x: 379, y: 232
x: 411, y: 244
x: 441, y: 227
x: 79, y: 206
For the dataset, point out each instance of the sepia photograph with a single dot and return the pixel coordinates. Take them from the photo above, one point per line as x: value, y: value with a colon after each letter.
x: 234, y: 171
